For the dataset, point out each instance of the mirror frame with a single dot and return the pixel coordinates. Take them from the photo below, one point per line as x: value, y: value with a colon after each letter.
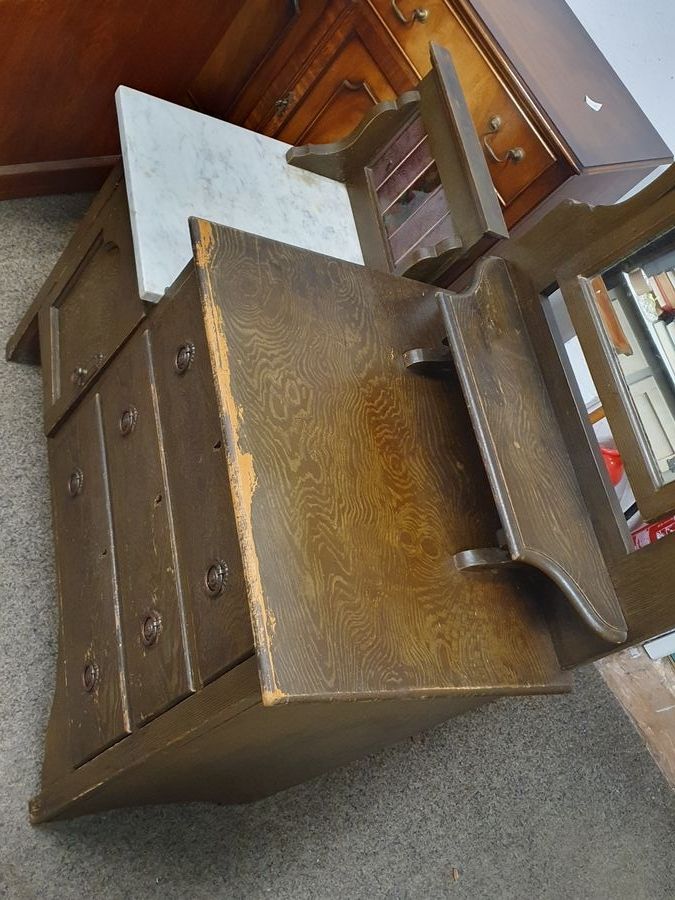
x: 655, y: 497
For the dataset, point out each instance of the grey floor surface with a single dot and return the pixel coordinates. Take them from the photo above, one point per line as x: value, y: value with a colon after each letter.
x: 541, y: 798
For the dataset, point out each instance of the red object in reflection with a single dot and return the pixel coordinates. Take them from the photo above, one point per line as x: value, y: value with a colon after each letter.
x: 614, y: 464
x: 648, y: 534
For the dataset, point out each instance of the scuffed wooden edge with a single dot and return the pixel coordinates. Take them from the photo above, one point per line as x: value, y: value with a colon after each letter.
x: 240, y: 463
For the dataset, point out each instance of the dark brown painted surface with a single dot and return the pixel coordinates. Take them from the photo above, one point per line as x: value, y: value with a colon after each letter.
x: 533, y: 481
x: 354, y: 482
x: 559, y: 62
x: 97, y: 709
x: 201, y: 504
x: 158, y: 664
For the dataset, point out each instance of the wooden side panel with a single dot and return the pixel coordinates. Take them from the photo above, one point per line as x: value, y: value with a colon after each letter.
x: 351, y: 69
x: 543, y: 38
x: 570, y: 240
x: 201, y: 503
x: 354, y: 483
x: 252, y: 35
x: 546, y: 522
x: 63, y: 61
x: 152, y: 619
x: 86, y: 309
x: 229, y: 748
x: 96, y: 713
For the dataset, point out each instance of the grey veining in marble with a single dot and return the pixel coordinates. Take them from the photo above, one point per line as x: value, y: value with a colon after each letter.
x: 180, y: 163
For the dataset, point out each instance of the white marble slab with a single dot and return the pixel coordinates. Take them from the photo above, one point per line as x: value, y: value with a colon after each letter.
x: 179, y: 163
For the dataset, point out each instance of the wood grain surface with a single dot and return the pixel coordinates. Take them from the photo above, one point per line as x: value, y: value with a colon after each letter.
x: 88, y: 588
x: 546, y: 522
x: 576, y: 239
x: 354, y: 483
x: 159, y: 673
x: 222, y: 745
x: 199, y: 491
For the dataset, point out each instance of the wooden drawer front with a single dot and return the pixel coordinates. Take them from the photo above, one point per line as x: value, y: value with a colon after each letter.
x: 85, y: 560
x: 486, y: 94
x: 352, y: 70
x: 152, y: 622
x: 201, y: 504
x: 95, y: 309
x: 255, y: 30
x: 296, y: 39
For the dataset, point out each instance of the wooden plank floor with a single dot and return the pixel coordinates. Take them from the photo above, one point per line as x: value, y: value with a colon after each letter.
x: 646, y: 690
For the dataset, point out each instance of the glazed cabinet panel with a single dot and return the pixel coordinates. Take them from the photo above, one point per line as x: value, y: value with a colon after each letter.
x: 88, y: 589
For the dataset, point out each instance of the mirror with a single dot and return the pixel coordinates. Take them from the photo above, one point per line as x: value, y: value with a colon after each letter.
x: 636, y: 303
x: 632, y: 308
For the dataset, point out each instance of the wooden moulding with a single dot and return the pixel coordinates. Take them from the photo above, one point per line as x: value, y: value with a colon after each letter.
x: 542, y: 509
x: 578, y: 241
x: 470, y: 203
x: 65, y: 176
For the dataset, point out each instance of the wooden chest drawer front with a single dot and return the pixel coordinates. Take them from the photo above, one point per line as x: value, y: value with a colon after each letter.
x: 85, y: 559
x: 93, y: 313
x: 350, y: 83
x: 353, y: 68
x: 152, y: 622
x: 207, y: 546
x: 486, y: 95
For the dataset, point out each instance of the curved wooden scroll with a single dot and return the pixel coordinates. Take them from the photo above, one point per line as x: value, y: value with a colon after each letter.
x: 545, y: 519
x: 377, y: 128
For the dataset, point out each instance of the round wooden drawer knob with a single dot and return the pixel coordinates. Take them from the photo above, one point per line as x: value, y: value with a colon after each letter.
x: 150, y: 629
x: 216, y: 578
x: 90, y: 676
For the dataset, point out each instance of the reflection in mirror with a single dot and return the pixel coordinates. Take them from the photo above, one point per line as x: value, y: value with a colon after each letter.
x: 620, y: 334
x: 636, y: 302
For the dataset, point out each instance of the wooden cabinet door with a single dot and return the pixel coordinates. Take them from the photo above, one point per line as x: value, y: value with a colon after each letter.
x: 350, y: 71
x: 267, y: 40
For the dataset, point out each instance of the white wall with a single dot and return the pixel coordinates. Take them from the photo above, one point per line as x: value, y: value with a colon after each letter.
x: 638, y: 39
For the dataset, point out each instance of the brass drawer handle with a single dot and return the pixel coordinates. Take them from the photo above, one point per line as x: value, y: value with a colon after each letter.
x: 418, y: 15
x: 517, y: 154
x: 282, y: 104
x: 83, y: 373
x: 355, y: 86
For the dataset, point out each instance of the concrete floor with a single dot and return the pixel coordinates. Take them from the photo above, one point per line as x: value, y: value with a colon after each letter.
x: 543, y: 798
